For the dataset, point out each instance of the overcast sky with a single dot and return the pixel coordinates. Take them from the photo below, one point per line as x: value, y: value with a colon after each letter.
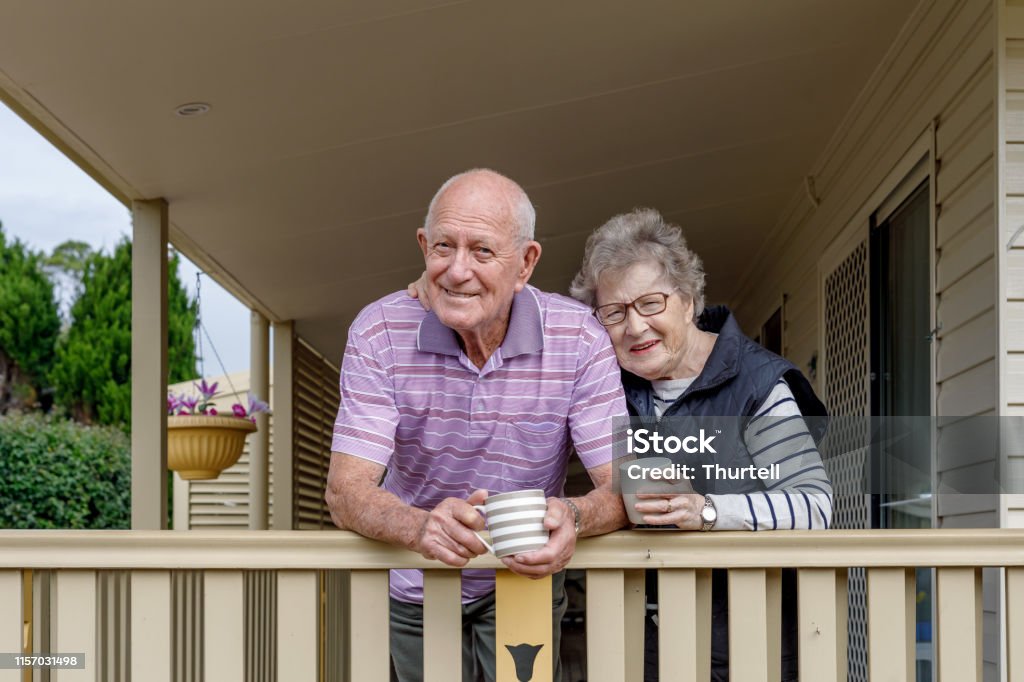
x: 45, y: 200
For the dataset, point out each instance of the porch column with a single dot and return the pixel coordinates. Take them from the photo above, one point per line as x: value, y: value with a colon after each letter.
x: 149, y: 365
x: 284, y: 387
x: 259, y: 443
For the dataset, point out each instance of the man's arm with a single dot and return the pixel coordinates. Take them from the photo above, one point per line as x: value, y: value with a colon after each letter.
x: 358, y: 503
x: 601, y: 511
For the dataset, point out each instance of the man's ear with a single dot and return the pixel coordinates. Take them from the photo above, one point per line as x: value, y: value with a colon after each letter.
x: 531, y: 254
x: 421, y: 237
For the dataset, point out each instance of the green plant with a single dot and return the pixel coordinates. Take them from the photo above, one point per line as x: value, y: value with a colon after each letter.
x: 29, y: 325
x: 202, y: 404
x: 55, y: 473
x: 92, y: 374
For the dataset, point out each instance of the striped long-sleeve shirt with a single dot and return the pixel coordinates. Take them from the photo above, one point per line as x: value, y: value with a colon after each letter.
x: 801, y: 496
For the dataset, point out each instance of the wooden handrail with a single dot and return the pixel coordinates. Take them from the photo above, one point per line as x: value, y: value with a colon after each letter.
x: 624, y: 549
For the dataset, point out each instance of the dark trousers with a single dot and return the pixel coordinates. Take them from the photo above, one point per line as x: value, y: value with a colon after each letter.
x: 720, y: 630
x: 478, y: 623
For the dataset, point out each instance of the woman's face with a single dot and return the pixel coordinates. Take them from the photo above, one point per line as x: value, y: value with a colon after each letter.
x: 655, y: 346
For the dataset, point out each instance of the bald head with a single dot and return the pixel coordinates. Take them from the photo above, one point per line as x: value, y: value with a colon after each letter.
x: 492, y: 189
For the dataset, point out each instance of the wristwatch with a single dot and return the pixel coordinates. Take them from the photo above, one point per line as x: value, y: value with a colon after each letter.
x: 575, y: 513
x: 708, y: 514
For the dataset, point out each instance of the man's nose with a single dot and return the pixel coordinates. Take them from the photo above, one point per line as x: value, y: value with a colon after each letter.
x: 461, y: 267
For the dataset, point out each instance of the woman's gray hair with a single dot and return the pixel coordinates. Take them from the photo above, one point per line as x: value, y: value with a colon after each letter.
x: 522, y: 211
x: 642, y: 235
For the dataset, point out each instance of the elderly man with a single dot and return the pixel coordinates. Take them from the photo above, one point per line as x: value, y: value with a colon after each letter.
x: 488, y: 392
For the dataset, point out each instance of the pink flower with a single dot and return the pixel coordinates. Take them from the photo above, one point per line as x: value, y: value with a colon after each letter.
x: 256, y: 405
x: 208, y: 390
x: 238, y: 410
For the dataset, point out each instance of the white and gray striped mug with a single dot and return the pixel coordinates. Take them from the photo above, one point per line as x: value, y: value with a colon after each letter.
x: 515, y: 521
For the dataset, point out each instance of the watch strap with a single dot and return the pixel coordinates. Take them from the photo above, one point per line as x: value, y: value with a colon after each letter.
x: 575, y: 513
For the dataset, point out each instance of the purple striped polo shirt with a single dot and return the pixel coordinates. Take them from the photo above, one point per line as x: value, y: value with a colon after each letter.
x: 412, y: 400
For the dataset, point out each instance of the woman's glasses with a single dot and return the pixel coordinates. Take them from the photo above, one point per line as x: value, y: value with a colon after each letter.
x: 646, y: 305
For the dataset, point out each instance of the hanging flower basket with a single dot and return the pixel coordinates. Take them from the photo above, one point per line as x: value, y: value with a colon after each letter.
x: 201, y: 443
x: 199, y: 447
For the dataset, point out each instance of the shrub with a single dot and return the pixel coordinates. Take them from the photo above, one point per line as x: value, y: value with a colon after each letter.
x: 56, y: 473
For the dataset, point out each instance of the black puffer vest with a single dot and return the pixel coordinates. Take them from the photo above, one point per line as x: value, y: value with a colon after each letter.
x: 736, y: 379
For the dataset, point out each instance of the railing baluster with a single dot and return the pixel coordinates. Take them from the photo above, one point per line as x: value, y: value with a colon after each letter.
x: 959, y: 652
x: 1014, y: 624
x: 636, y: 609
x: 370, y: 606
x: 755, y: 619
x: 75, y: 623
x: 606, y: 625
x: 891, y: 615
x: 11, y: 623
x: 822, y: 608
x: 150, y: 654
x: 442, y: 625
x: 684, y: 624
x: 298, y: 597
x: 224, y: 626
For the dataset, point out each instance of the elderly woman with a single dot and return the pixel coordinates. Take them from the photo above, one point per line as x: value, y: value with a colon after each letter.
x: 680, y: 359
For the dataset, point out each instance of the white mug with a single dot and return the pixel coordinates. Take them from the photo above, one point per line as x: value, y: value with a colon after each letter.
x: 515, y: 521
x: 642, y: 482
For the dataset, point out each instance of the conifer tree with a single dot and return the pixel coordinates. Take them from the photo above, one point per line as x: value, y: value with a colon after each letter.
x: 92, y: 375
x: 29, y: 325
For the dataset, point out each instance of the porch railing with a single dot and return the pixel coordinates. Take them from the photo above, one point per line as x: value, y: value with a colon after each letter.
x: 614, y: 566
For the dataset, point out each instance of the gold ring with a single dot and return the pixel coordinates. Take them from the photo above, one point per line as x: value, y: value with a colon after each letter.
x: 669, y: 504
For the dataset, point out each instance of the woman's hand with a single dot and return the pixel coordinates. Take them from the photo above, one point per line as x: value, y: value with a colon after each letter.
x: 678, y: 510
x: 418, y: 290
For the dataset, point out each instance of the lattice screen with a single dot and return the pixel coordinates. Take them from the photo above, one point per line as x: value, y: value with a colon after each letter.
x: 315, y: 408
x: 846, y: 368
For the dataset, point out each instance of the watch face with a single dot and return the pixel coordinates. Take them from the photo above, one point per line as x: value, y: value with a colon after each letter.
x: 708, y: 514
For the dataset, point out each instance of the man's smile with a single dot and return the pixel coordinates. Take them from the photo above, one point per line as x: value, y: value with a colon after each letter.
x: 457, y: 294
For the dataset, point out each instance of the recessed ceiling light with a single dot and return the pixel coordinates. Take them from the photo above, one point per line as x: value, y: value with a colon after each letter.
x: 193, y: 109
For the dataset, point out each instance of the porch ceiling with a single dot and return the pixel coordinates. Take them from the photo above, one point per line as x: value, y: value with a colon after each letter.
x: 333, y: 122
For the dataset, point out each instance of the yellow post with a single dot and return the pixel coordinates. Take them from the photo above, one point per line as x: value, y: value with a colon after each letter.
x: 523, y: 624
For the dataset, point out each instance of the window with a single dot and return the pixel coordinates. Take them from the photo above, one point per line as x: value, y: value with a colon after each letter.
x: 771, y: 332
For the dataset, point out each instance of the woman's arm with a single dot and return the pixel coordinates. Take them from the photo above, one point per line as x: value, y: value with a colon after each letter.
x: 801, y: 496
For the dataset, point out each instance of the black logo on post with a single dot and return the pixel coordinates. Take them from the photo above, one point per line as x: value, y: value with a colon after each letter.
x: 524, y: 655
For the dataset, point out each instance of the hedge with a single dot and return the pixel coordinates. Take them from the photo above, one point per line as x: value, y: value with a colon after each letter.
x: 56, y: 473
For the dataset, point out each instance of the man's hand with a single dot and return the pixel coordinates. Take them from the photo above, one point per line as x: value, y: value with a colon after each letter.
x: 418, y: 290
x: 553, y: 556
x: 447, y: 531
x: 678, y: 510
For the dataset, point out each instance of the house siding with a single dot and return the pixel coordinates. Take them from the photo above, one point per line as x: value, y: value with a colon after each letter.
x: 941, y: 71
